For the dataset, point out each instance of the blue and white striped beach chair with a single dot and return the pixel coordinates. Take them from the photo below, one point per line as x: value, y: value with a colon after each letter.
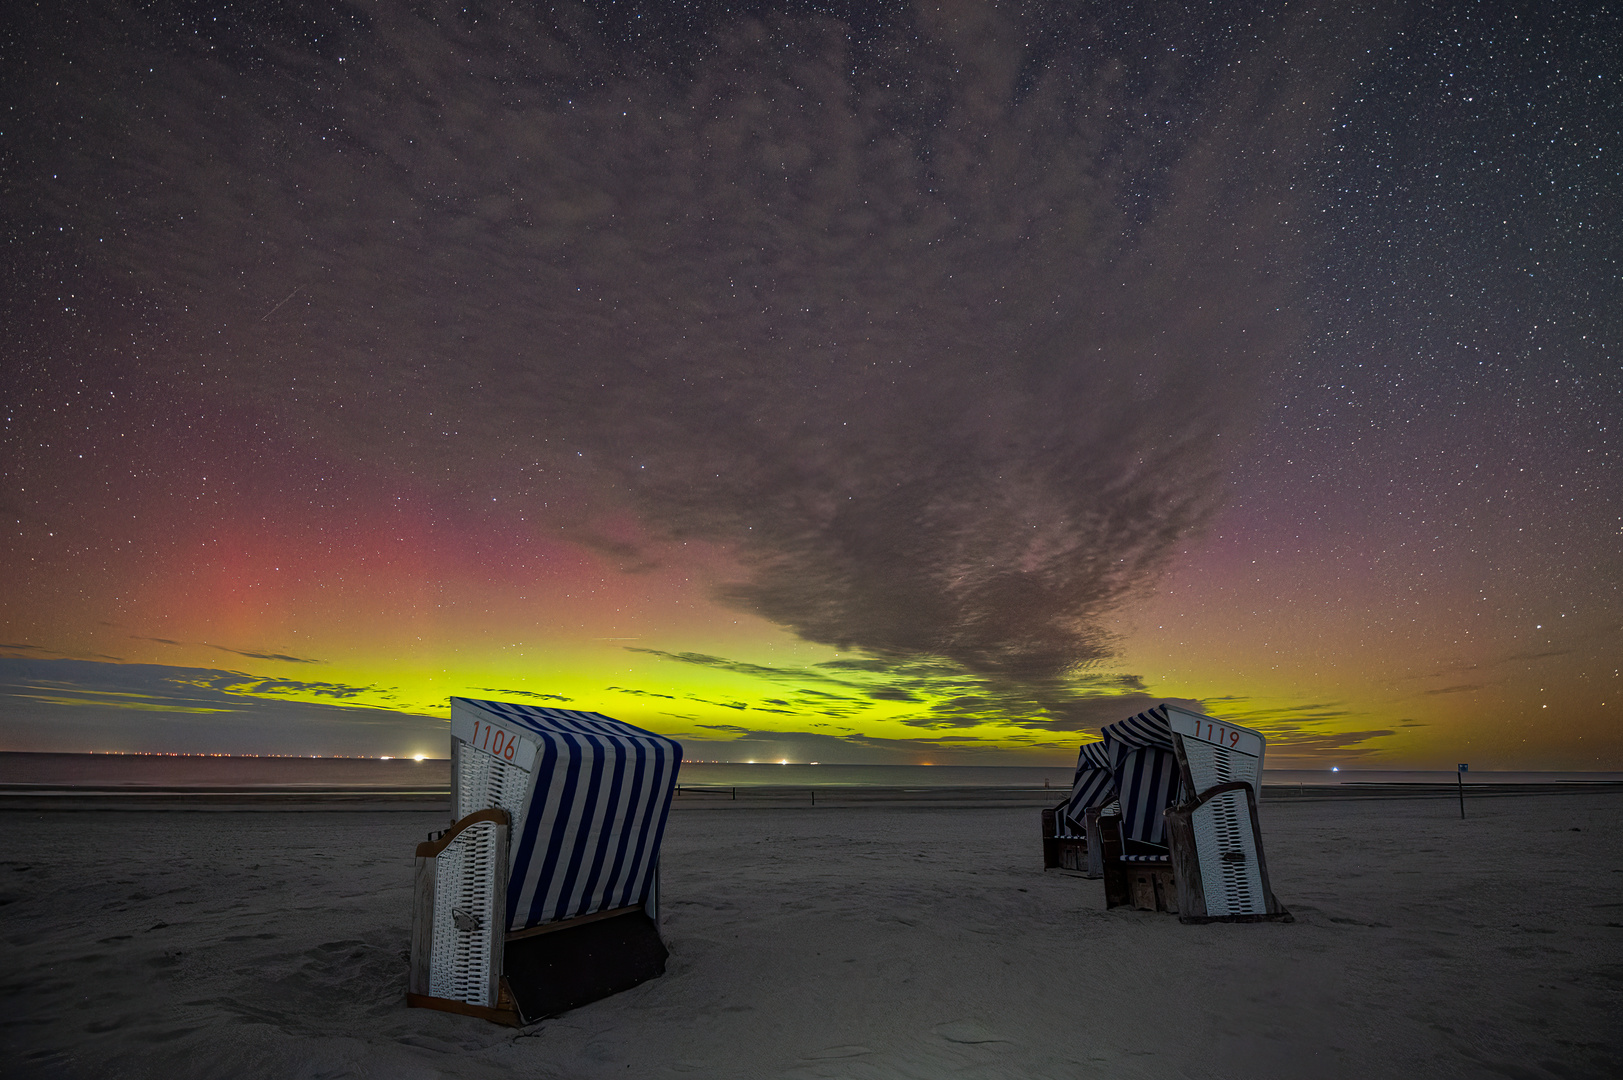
x: 1070, y: 830
x: 1214, y: 834
x: 543, y: 895
x: 1137, y: 864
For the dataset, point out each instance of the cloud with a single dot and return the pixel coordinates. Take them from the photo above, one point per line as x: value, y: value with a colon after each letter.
x: 1304, y: 731
x: 1345, y: 744
x: 639, y: 693
x: 284, y: 657
x: 160, y: 685
x: 84, y: 705
x: 945, y: 695
x: 1464, y: 688
x: 748, y: 744
x: 238, y: 683
x: 1576, y: 635
x: 944, y: 329
x: 521, y: 693
x: 888, y: 693
x: 41, y: 651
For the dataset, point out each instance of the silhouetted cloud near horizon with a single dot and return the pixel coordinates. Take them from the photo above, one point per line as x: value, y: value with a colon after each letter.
x: 946, y: 695
x: 1297, y: 730
x: 87, y: 705
x: 945, y: 337
x: 284, y: 657
x: 522, y: 693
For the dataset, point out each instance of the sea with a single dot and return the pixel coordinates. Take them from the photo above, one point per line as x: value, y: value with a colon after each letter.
x: 20, y: 770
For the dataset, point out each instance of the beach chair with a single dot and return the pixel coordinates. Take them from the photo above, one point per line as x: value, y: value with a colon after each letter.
x: 543, y: 895
x: 1136, y: 863
x: 1214, y: 835
x: 1068, y: 843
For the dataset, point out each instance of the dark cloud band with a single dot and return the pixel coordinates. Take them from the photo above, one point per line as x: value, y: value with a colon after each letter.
x: 947, y: 348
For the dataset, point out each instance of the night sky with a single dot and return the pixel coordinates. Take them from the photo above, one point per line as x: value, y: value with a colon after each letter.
x: 839, y: 382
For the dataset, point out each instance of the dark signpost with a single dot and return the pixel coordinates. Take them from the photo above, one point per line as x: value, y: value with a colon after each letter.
x: 1460, y: 776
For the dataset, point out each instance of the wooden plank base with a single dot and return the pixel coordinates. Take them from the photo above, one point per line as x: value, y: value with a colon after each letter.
x: 565, y: 969
x: 505, y: 1012
x: 1145, y: 886
x: 1151, y: 887
x: 1072, y: 853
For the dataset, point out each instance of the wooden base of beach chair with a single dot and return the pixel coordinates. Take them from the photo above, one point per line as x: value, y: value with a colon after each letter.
x: 560, y: 966
x: 1146, y: 886
x: 1062, y: 852
x: 1072, y: 854
x: 505, y: 1012
x: 1152, y: 886
x: 563, y: 965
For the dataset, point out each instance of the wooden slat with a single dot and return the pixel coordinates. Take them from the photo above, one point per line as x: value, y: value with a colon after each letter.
x: 498, y: 1015
x: 565, y: 924
x: 1096, y: 842
x: 1050, y: 851
x: 422, y: 925
x: 498, y: 918
x: 1118, y: 892
x: 1186, y: 863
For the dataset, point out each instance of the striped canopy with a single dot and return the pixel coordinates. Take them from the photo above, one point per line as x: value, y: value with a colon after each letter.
x: 1094, y: 783
x: 587, y: 837
x: 1146, y: 773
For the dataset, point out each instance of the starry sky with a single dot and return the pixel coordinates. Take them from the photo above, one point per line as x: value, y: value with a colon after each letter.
x: 858, y: 382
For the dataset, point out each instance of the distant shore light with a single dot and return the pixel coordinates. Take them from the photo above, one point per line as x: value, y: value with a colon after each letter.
x: 419, y: 757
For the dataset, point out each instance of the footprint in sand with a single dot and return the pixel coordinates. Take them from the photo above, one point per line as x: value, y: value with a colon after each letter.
x: 967, y: 1031
x: 840, y: 1052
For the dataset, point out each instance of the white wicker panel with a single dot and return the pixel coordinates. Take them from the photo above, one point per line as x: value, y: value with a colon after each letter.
x: 465, y: 904
x: 1233, y: 885
x: 484, y: 781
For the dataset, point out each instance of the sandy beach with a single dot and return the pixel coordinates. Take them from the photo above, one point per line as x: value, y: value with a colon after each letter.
x: 864, y: 941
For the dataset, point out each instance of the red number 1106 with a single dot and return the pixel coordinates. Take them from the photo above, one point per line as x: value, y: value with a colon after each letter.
x: 496, y: 741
